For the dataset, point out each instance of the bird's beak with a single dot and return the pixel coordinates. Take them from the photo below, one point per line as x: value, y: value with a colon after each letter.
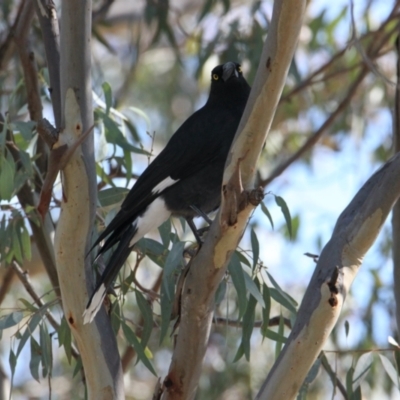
x: 229, y: 69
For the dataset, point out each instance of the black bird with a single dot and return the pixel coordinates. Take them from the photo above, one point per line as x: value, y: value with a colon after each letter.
x: 184, y: 179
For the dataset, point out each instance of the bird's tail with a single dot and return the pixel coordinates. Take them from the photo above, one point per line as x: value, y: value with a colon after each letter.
x: 115, y: 263
x: 153, y: 216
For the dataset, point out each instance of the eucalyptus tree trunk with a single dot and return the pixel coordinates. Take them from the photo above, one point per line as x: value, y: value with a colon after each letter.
x: 96, y: 342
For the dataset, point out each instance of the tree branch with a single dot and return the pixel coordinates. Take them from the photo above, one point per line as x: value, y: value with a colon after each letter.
x: 355, y: 231
x: 396, y: 208
x: 257, y: 324
x: 46, y: 13
x: 238, y: 201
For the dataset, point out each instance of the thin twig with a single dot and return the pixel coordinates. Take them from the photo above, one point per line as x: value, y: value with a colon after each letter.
x: 310, y: 80
x: 24, y: 278
x: 357, y: 44
x: 313, y: 139
x: 257, y: 324
x: 150, y: 292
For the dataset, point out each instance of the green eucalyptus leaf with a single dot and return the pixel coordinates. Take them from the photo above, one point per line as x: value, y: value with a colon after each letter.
x: 238, y: 279
x: 107, y: 96
x: 6, y: 179
x: 255, y: 246
x: 139, y: 348
x: 9, y: 320
x: 267, y: 213
x: 36, y: 358
x: 253, y: 288
x: 147, y: 314
x: 111, y: 196
x: 286, y: 213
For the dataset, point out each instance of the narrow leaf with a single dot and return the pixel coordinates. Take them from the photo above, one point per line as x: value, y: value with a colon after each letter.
x: 285, y: 211
x: 65, y: 338
x: 275, y: 336
x: 349, y: 382
x: 25, y: 128
x: 134, y: 342
x: 45, y: 345
x: 279, y: 344
x: 242, y: 258
x: 255, y: 246
x: 266, y: 310
x: 281, y: 299
x: 361, y: 369
x: 10, y: 319
x: 6, y: 180
x: 346, y: 328
x: 26, y: 243
x: 78, y: 367
x: 29, y: 306
x: 390, y: 370
x: 253, y: 288
x: 111, y: 196
x: 165, y: 231
x: 33, y: 323
x: 36, y: 357
x: 107, y: 96
x: 147, y: 314
x: 16, y: 244
x: 115, y: 136
x: 238, y: 279
x: 248, y: 325
x: 166, y: 309
x: 13, y: 362
x: 239, y: 353
x: 267, y: 213
x: 220, y: 293
x: 116, y: 317
x: 173, y: 261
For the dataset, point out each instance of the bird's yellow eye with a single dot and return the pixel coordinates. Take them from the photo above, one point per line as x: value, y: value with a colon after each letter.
x: 239, y: 69
x: 215, y: 77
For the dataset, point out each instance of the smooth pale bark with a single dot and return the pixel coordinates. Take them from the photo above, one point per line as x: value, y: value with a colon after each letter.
x: 96, y: 342
x: 354, y: 233
x: 238, y: 201
x: 396, y: 208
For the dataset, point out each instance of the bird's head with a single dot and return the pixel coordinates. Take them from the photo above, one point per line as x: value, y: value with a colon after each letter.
x: 225, y: 72
x: 228, y: 79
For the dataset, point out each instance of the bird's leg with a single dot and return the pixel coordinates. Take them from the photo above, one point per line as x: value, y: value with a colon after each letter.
x: 194, y: 230
x: 201, y: 214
